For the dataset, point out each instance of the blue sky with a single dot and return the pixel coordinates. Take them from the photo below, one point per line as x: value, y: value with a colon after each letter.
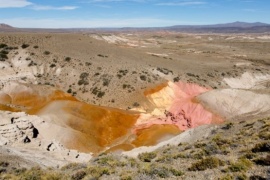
x: 130, y: 13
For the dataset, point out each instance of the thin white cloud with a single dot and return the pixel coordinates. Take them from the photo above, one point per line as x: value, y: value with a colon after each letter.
x: 186, y: 3
x: 25, y: 3
x: 14, y: 3
x: 38, y: 7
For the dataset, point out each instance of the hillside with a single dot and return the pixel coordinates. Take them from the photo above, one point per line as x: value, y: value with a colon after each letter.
x: 141, y: 105
x: 235, y: 150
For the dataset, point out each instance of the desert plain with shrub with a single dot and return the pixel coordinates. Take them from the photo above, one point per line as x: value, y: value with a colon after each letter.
x: 134, y: 104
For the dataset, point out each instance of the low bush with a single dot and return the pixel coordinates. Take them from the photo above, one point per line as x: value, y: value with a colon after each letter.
x: 4, y: 164
x: 262, y: 147
x: 208, y: 163
x: 241, y: 165
x: 3, y: 45
x: 143, y: 77
x: 78, y: 175
x: 46, y: 52
x: 25, y: 46
x: 3, y: 56
x: 67, y: 59
x: 263, y: 161
x: 147, y: 157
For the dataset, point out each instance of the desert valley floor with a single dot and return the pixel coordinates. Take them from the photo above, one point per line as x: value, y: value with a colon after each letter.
x: 163, y: 101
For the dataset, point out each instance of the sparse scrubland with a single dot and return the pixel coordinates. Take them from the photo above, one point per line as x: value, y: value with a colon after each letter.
x: 95, y: 69
x: 235, y: 150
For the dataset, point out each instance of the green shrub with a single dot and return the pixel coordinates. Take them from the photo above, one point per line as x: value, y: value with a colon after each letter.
x: 241, y: 165
x: 52, y: 65
x: 227, y: 126
x: 176, y: 172
x: 53, y: 176
x: 249, y: 155
x: 211, y: 149
x: 4, y: 164
x: 101, y: 55
x: 78, y: 175
x: 241, y: 177
x: 18, y: 171
x: 143, y: 77
x: 100, y: 94
x: 83, y: 82
x: 98, y: 171
x: 147, y: 157
x: 84, y: 75
x: 135, y: 104
x: 126, y: 177
x: 265, y: 135
x: 208, y: 163
x: 263, y: 161
x: 106, y: 82
x: 46, y: 52
x: 3, y: 45
x: 67, y: 59
x: 154, y: 170
x: 3, y: 56
x: 3, y: 170
x: 4, y: 52
x: 109, y: 161
x: 176, y: 79
x: 71, y: 166
x: 165, y: 158
x: 25, y: 46
x: 255, y: 177
x: 32, y: 174
x: 262, y: 147
x: 227, y: 177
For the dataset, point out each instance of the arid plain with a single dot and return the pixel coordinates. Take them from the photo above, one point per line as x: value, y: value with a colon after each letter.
x: 163, y: 103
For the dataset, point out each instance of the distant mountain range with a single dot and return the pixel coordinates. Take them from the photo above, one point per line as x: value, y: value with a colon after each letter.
x: 237, y: 24
x: 234, y: 27
x: 5, y: 26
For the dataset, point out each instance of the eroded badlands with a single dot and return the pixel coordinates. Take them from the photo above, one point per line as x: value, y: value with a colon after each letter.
x: 114, y: 96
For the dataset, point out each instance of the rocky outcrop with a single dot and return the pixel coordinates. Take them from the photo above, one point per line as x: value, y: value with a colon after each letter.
x: 20, y: 136
x: 237, y: 104
x: 90, y: 128
x: 176, y: 104
x: 62, y: 122
x: 249, y: 81
x: 16, y: 129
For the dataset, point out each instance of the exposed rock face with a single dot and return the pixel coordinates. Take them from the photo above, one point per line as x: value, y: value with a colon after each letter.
x: 29, y: 98
x: 90, y: 128
x: 235, y: 104
x: 74, y: 124
x: 249, y: 81
x: 61, y: 124
x: 18, y: 138
x: 176, y: 104
x: 17, y: 128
